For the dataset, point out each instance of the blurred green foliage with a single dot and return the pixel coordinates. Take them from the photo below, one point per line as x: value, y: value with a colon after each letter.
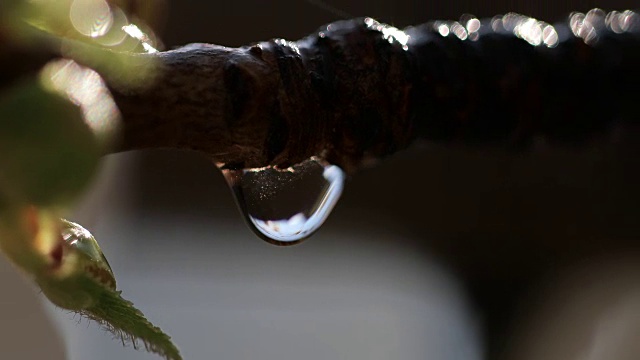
x: 53, y: 128
x: 47, y: 152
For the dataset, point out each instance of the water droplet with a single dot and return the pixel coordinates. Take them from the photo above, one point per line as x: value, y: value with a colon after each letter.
x: 92, y: 261
x: 285, y: 206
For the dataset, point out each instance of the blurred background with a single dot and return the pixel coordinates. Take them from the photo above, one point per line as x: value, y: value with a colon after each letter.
x: 437, y: 253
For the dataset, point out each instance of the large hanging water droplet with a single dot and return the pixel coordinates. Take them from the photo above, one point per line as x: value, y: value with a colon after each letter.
x: 285, y: 206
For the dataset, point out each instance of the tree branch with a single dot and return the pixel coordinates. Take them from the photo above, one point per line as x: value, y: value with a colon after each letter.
x: 357, y: 90
x: 276, y: 102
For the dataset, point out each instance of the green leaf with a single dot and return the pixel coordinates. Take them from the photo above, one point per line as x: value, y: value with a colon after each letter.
x: 110, y: 310
x: 48, y: 154
x: 121, y: 318
x: 67, y: 263
x: 80, y: 279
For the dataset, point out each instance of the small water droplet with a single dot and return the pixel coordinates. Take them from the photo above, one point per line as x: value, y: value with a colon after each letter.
x: 89, y: 258
x: 285, y: 206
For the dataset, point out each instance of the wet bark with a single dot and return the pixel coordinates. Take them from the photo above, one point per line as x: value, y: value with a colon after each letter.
x: 356, y: 91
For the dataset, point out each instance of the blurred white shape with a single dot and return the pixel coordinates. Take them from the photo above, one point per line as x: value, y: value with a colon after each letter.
x: 496, y: 23
x: 86, y: 89
x: 459, y: 31
x: 135, y: 32
x: 575, y: 22
x: 91, y: 18
x: 614, y: 21
x: 389, y: 33
x: 582, y: 27
x: 149, y: 48
x: 291, y: 44
x: 473, y: 25
x: 529, y: 29
x: 596, y: 17
x: 115, y: 35
x: 443, y: 29
x: 629, y: 20
x: 550, y: 36
x: 511, y: 20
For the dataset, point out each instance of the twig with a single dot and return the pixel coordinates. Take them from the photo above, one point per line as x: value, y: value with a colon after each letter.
x: 358, y: 90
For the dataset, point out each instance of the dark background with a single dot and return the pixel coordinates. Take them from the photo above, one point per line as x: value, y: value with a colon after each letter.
x: 505, y: 221
x: 235, y: 23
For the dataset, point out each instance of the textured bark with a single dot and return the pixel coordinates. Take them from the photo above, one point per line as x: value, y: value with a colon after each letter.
x: 356, y: 91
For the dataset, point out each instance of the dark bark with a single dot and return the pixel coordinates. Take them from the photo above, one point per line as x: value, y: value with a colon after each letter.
x: 355, y: 91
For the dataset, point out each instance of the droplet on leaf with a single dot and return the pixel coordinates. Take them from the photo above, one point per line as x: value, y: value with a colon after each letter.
x: 95, y: 264
x: 83, y: 282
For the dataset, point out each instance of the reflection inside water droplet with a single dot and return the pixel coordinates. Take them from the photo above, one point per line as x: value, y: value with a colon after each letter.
x: 284, y: 206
